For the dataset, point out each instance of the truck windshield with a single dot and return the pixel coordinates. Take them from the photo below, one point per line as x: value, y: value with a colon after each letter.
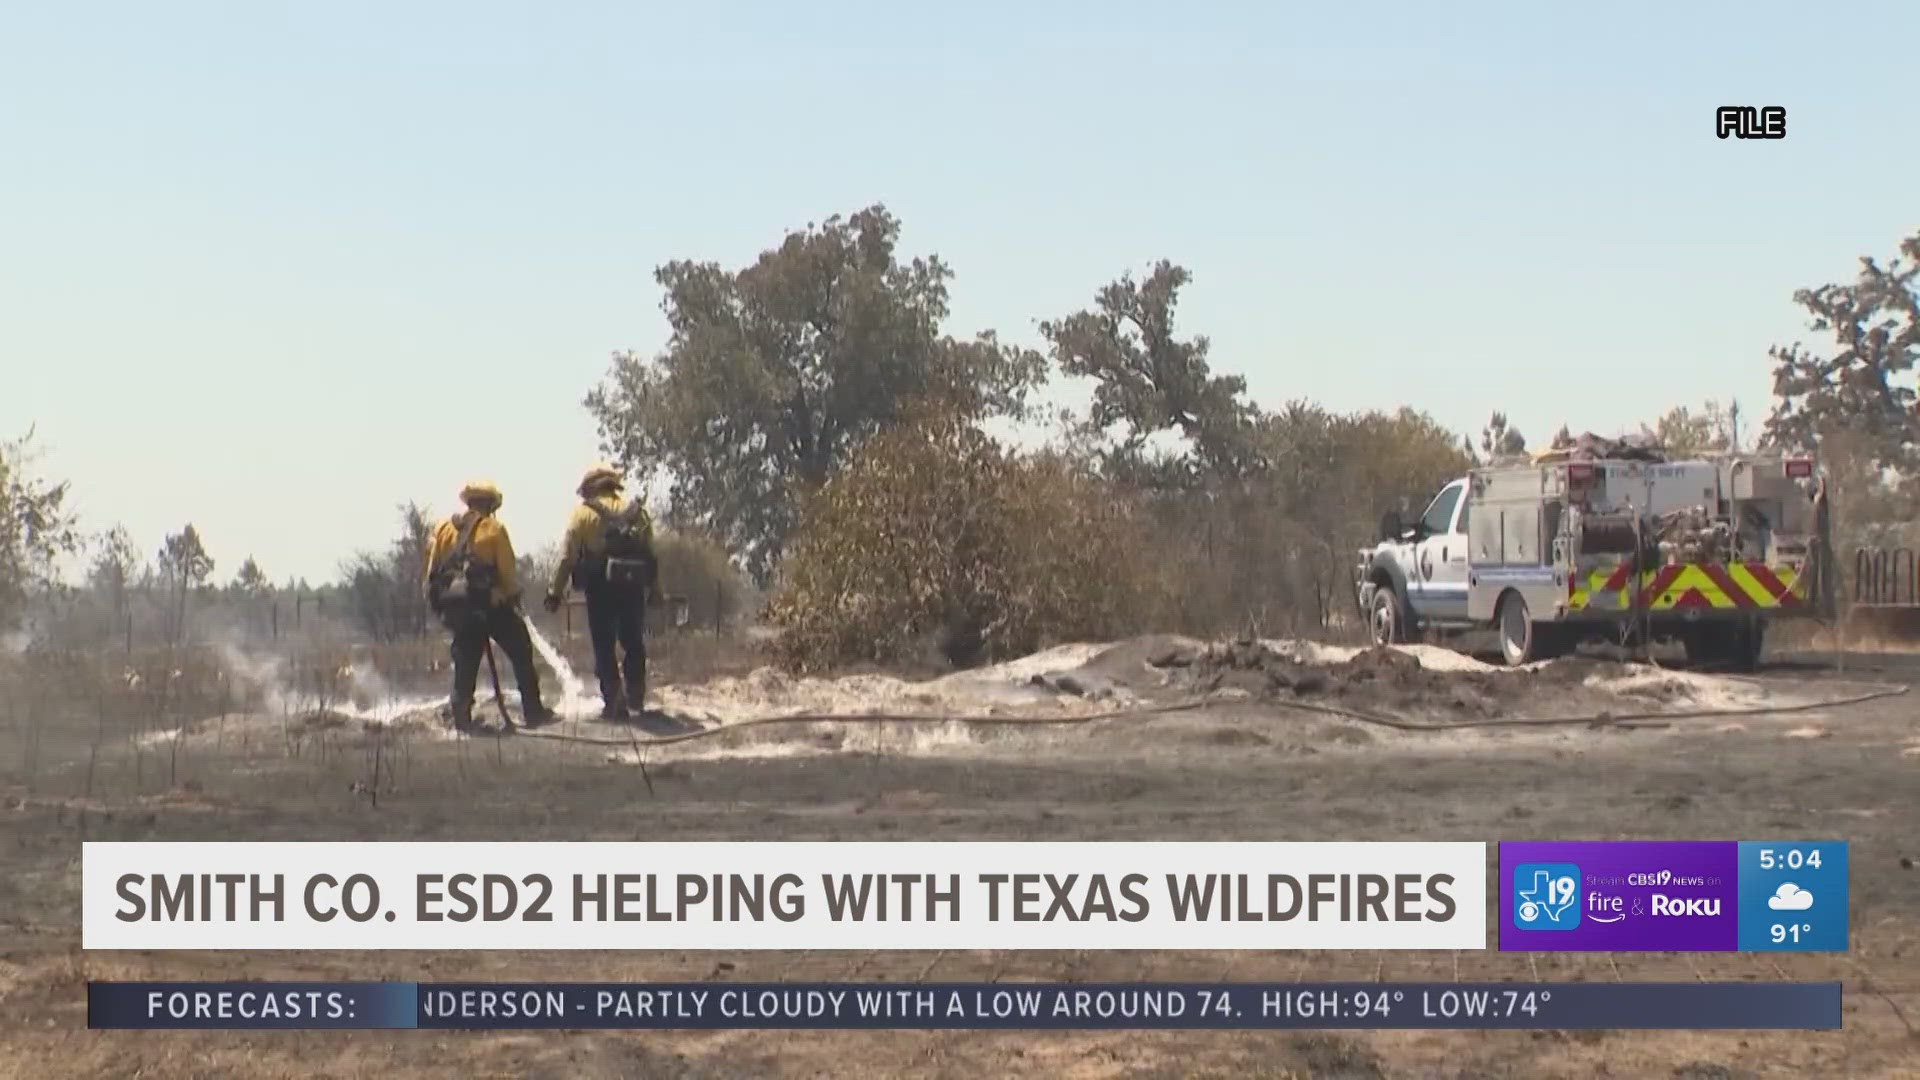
x: 1439, y: 516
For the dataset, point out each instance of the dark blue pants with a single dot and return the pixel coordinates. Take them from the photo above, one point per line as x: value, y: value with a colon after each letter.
x: 616, y: 618
x: 503, y: 625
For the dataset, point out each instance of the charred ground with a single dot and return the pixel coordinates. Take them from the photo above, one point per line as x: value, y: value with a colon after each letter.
x: 1247, y: 767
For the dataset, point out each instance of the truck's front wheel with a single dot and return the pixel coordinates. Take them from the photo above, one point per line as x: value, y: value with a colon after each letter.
x: 1386, y: 622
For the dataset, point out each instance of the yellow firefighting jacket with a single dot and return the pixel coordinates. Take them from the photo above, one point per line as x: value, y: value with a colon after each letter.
x: 490, y: 545
x: 587, y: 537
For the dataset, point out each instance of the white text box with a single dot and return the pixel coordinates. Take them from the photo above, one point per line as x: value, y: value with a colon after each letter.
x: 959, y: 895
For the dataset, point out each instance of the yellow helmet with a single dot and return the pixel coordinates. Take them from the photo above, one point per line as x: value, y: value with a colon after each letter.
x: 600, y: 475
x: 480, y: 491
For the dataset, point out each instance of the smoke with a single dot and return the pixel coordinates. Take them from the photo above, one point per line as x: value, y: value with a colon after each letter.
x: 15, y: 642
x: 366, y: 686
x: 263, y: 678
x: 357, y: 690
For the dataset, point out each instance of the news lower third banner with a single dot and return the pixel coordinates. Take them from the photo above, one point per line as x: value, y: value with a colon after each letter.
x: 972, y: 1006
x: 1673, y: 896
x: 800, y: 895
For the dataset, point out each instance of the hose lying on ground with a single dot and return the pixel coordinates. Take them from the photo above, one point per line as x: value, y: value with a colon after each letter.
x: 875, y: 718
x: 1595, y: 720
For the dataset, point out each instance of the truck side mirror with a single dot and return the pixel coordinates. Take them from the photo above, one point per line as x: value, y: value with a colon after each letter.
x: 1391, y: 527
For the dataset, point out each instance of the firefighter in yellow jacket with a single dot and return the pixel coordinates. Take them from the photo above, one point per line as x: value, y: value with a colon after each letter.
x: 608, y: 553
x: 473, y: 585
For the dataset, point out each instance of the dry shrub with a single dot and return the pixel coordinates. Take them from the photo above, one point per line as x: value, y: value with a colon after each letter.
x: 696, y: 657
x: 1236, y: 561
x: 1273, y: 552
x: 695, y: 566
x: 1871, y: 508
x: 933, y: 531
x: 1085, y: 572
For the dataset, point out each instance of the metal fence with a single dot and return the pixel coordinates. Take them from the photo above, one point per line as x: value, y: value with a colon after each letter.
x: 1885, y: 577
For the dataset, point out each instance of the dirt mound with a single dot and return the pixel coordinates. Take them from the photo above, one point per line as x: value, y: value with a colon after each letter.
x: 1396, y: 682
x: 1373, y: 680
x: 1124, y: 671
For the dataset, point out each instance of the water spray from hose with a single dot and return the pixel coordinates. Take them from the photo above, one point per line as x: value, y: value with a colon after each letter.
x: 573, y: 691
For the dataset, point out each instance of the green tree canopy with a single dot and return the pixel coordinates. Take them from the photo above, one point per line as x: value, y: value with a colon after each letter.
x: 1685, y: 432
x: 249, y: 580
x: 1147, y: 381
x: 1865, y: 384
x: 184, y: 566
x: 116, y: 566
x: 184, y: 560
x: 35, y: 528
x: 772, y: 374
x: 1500, y: 440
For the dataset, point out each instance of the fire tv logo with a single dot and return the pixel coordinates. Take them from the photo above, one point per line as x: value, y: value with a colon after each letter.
x: 1747, y: 122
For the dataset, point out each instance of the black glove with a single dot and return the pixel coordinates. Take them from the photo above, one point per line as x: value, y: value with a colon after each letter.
x: 552, y: 602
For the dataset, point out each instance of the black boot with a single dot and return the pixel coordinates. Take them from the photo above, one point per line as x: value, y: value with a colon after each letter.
x: 535, y: 714
x: 614, y: 709
x: 637, y: 697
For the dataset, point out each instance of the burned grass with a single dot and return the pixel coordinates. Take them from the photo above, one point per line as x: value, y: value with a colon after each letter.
x: 1231, y: 772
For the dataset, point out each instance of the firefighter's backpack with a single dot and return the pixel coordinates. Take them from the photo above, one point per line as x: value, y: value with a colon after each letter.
x: 628, y: 558
x: 461, y: 587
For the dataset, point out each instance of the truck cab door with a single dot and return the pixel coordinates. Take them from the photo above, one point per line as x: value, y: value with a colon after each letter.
x: 1432, y: 589
x: 1447, y: 588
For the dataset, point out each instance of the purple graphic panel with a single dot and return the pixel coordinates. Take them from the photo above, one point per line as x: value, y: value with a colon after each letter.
x: 1619, y: 896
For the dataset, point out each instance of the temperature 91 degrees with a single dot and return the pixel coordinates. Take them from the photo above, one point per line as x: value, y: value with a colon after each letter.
x: 1789, y: 933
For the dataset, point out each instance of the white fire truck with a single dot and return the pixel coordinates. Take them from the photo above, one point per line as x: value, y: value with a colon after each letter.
x: 1556, y: 552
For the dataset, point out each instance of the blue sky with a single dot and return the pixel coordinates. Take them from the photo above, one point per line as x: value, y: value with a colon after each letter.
x: 275, y: 268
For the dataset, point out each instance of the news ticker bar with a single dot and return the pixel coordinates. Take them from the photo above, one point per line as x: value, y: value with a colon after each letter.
x: 930, y: 1006
x: 1628, y: 896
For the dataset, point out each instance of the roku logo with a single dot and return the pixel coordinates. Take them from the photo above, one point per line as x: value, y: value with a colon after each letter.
x: 1667, y: 905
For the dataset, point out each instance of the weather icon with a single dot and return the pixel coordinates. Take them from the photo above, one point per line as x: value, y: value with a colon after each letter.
x: 1790, y: 897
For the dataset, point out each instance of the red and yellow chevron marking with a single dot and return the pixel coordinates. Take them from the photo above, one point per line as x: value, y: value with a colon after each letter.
x: 1690, y: 585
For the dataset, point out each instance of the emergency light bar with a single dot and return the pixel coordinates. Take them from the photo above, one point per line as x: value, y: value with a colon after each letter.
x: 1800, y: 468
x: 1581, y: 472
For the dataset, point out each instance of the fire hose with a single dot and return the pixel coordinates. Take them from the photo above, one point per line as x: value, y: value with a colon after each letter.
x: 499, y: 698
x: 1870, y: 692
